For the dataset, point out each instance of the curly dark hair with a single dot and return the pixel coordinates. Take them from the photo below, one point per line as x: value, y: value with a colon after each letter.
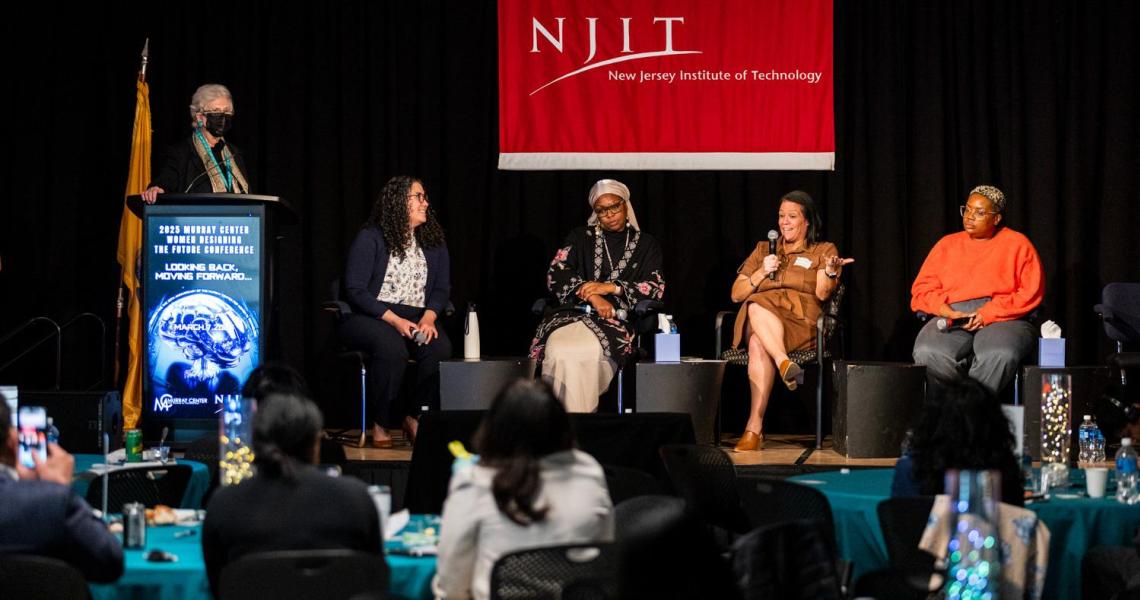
x: 963, y: 427
x: 390, y: 216
x: 525, y: 423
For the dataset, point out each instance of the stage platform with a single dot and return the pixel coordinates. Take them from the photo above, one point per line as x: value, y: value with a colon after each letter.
x: 783, y: 455
x: 780, y: 451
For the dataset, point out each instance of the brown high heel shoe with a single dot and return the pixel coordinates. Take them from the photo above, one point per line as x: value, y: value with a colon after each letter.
x: 789, y: 371
x: 380, y: 442
x: 749, y: 442
x: 411, y: 427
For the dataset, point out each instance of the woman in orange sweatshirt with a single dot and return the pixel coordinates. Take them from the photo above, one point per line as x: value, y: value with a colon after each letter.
x: 979, y: 284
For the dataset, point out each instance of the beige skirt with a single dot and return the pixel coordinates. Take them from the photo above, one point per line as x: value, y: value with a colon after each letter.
x: 576, y: 367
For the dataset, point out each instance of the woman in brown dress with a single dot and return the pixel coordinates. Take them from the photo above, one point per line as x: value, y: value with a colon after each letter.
x: 782, y: 295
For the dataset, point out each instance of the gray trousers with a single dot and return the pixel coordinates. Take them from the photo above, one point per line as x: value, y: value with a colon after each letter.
x: 989, y: 355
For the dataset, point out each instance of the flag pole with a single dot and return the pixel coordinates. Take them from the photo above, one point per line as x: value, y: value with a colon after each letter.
x: 119, y: 302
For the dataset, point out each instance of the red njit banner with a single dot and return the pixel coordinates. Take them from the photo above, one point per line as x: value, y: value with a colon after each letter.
x: 667, y: 84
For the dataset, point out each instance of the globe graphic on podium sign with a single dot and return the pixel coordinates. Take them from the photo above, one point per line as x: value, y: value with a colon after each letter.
x: 212, y: 330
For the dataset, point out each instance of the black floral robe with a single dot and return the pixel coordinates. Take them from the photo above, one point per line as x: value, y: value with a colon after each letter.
x: 583, y: 258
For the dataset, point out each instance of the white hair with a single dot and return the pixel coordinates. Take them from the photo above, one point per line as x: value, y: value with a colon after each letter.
x: 207, y: 93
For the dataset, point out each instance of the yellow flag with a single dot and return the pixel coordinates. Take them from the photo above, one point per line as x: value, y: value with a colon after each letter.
x: 130, y: 242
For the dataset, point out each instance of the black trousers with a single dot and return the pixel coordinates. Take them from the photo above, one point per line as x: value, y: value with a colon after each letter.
x: 390, y: 353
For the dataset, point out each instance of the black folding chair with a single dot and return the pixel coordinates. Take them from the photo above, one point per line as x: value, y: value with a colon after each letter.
x: 706, y: 479
x: 25, y: 576
x: 564, y: 572
x: 152, y: 485
x: 304, y: 574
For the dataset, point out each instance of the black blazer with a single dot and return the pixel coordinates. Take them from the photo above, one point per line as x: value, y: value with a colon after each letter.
x: 367, y: 264
x: 183, y: 172
x: 48, y: 519
x: 310, y: 512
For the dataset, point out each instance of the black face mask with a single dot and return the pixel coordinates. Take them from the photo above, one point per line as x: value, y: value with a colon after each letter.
x: 218, y: 123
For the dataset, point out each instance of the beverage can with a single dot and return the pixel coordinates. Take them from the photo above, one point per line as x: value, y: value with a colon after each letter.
x: 134, y: 525
x: 134, y: 445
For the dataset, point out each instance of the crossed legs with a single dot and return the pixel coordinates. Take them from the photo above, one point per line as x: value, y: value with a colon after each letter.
x: 766, y: 350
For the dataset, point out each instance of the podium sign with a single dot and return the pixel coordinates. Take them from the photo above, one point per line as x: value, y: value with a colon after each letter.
x: 203, y: 306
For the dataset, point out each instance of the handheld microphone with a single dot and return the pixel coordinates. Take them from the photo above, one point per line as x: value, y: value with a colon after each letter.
x: 772, y: 237
x: 619, y: 313
x: 945, y: 324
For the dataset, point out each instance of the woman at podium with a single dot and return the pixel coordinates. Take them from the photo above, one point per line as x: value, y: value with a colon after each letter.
x: 599, y: 275
x: 397, y: 281
x: 204, y: 162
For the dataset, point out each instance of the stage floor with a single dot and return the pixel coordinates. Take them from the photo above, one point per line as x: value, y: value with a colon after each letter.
x: 778, y: 450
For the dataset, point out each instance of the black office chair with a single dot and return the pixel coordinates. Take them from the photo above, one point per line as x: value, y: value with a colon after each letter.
x: 564, y: 572
x: 339, y: 310
x: 1120, y: 311
x: 304, y: 574
x: 787, y: 559
x: 828, y: 325
x: 643, y: 320
x: 25, y: 576
x: 902, y: 521
x: 706, y: 479
x: 627, y: 482
x: 769, y: 501
x: 151, y: 485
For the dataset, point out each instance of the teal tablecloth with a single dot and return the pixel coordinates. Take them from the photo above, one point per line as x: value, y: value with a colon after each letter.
x: 186, y: 579
x: 195, y: 489
x: 1075, y: 524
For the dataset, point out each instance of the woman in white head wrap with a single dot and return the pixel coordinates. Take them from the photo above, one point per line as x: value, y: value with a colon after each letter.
x: 609, y: 265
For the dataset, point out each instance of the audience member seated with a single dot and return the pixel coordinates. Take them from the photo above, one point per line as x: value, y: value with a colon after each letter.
x: 289, y: 504
x: 276, y: 378
x: 40, y: 515
x: 607, y: 266
x: 987, y: 279
x: 781, y: 296
x: 960, y: 427
x: 529, y: 488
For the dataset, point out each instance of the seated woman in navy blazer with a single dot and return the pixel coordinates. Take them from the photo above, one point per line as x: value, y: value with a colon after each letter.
x: 397, y: 281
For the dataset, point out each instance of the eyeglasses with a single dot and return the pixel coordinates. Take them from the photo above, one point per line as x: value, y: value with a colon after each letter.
x: 228, y: 113
x: 974, y: 213
x: 605, y: 211
x: 418, y: 197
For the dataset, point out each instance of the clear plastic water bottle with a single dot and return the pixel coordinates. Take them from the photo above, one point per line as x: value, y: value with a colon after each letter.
x: 52, y: 432
x: 1098, y: 444
x: 1126, y: 475
x: 1087, y: 440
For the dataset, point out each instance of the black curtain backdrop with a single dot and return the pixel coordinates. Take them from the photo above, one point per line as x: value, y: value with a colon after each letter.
x: 932, y: 98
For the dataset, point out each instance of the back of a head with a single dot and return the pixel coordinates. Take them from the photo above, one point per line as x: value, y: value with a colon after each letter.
x: 525, y: 419
x: 274, y: 378
x: 961, y: 427
x: 525, y: 423
x: 285, y: 433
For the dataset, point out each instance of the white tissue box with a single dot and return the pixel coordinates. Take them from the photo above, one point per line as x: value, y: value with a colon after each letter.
x: 668, y: 347
x: 1051, y: 352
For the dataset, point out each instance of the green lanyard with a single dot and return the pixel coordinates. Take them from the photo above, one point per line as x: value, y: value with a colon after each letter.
x: 228, y: 173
